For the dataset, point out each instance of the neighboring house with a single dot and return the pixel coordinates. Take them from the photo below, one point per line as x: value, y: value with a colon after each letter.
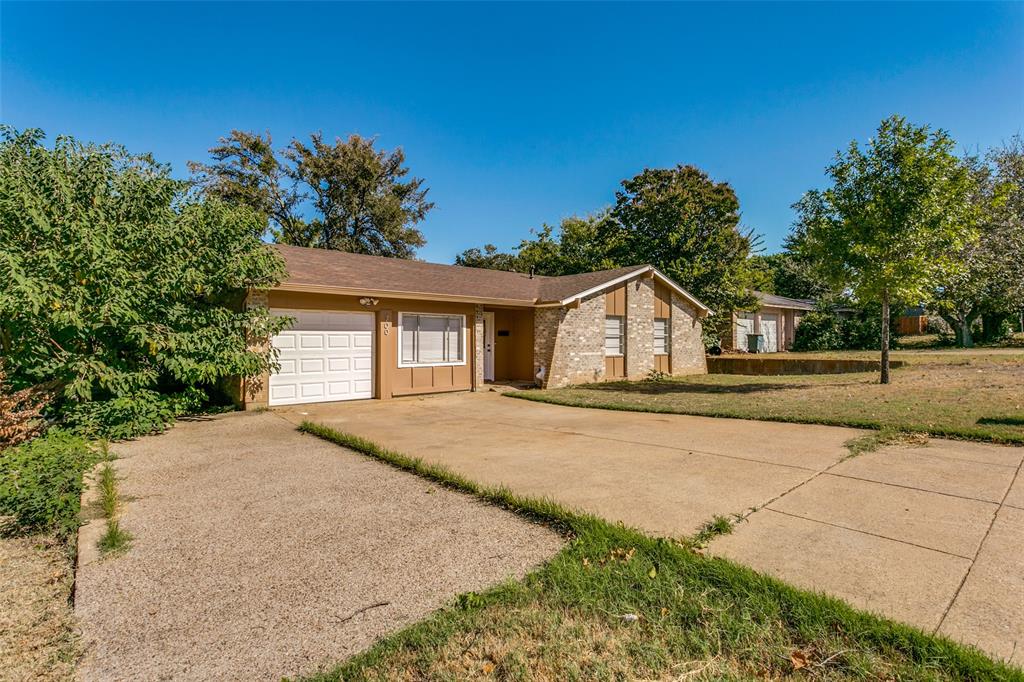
x: 371, y: 327
x: 776, y: 320
x: 913, y: 322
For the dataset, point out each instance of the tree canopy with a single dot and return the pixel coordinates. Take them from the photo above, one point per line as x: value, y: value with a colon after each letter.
x: 117, y: 280
x: 677, y: 219
x: 894, y: 220
x: 361, y: 199
x: 579, y: 244
x: 991, y: 283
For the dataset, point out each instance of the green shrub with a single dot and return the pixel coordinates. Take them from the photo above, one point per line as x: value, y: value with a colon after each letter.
x: 41, y: 483
x: 134, y: 415
x: 121, y: 282
x: 819, y: 330
x: 825, y: 330
x: 862, y: 333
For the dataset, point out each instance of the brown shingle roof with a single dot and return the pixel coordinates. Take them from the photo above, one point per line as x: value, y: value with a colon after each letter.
x: 325, y: 269
x: 784, y: 301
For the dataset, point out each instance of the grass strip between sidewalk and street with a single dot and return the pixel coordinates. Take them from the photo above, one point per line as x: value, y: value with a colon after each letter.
x: 617, y: 604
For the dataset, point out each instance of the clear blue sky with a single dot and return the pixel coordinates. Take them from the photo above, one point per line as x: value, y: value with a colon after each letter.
x: 522, y: 114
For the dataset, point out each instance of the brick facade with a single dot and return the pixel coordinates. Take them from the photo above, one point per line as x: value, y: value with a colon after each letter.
x: 687, y: 344
x: 478, y: 347
x: 639, y: 328
x: 569, y: 342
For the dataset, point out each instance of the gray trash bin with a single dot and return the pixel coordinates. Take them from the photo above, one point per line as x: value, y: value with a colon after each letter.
x: 755, y: 343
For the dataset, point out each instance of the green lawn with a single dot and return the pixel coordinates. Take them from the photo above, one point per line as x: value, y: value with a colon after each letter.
x: 961, y: 394
x: 615, y: 604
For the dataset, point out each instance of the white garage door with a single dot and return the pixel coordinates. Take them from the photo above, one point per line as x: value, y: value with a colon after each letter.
x: 323, y: 357
x: 770, y: 331
x: 744, y: 326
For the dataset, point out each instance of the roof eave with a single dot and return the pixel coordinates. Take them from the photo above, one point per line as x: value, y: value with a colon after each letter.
x: 386, y: 293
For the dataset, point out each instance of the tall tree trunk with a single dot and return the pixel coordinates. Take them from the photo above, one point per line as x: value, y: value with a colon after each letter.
x: 964, y: 337
x: 885, y: 337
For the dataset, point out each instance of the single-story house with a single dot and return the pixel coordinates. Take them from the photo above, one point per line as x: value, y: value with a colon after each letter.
x: 776, y: 320
x: 372, y: 327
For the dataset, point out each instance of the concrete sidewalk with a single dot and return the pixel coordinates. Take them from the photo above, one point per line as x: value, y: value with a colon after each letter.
x: 929, y: 535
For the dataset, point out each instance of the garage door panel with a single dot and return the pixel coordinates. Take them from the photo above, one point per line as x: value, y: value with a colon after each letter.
x: 309, y: 341
x: 340, y: 364
x: 285, y: 341
x: 339, y: 341
x: 283, y: 392
x: 311, y: 365
x: 339, y: 388
x: 324, y: 357
x: 311, y: 390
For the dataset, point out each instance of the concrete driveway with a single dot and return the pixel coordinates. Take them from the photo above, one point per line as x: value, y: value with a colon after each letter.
x: 260, y: 552
x: 929, y: 535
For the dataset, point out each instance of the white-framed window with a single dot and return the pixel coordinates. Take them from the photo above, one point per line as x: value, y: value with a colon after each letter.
x: 430, y: 340
x: 614, y: 334
x: 661, y: 336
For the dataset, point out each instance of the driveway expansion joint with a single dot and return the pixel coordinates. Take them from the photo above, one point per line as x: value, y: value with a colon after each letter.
x: 867, y: 532
x: 920, y: 490
x: 981, y: 545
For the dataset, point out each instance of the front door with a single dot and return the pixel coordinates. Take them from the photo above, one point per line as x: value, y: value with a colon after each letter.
x: 488, y: 346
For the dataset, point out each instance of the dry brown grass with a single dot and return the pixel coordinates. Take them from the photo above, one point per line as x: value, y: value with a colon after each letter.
x: 547, y: 644
x: 37, y: 640
x: 964, y: 395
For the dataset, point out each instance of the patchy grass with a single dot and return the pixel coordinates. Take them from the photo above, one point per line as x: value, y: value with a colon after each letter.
x: 37, y: 635
x: 107, y: 485
x: 114, y: 540
x: 720, y: 525
x: 879, y: 439
x: 955, y: 395
x: 616, y: 604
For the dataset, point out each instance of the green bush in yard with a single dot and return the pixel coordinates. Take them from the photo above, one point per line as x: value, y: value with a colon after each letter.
x: 41, y: 483
x: 819, y: 330
x: 121, y: 283
x: 137, y: 414
x: 826, y: 330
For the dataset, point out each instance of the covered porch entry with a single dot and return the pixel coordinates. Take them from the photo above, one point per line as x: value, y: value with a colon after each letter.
x: 507, y: 344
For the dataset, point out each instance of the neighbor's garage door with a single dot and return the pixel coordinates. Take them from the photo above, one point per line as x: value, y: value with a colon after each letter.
x: 770, y: 331
x: 323, y: 357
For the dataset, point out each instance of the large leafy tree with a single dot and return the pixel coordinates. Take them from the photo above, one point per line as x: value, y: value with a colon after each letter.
x: 361, y: 199
x: 891, y: 225
x: 789, y: 274
x: 579, y: 244
x: 246, y: 171
x: 687, y: 225
x: 677, y: 219
x: 990, y: 286
x: 117, y: 281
